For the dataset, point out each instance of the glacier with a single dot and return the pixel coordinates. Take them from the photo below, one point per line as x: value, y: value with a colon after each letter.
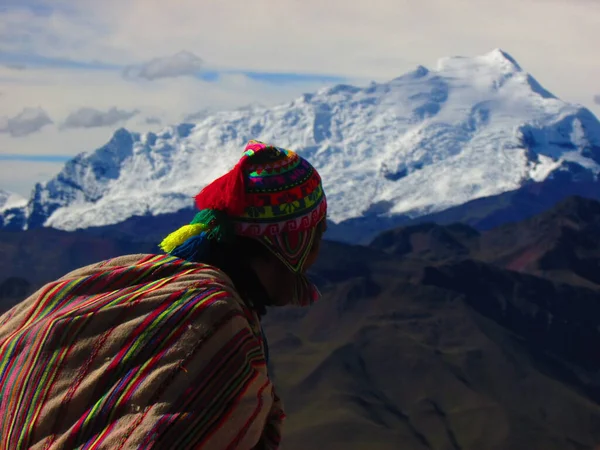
x: 426, y: 141
x: 10, y: 200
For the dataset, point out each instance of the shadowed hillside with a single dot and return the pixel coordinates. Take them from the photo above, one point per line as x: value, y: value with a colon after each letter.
x: 439, y: 343
x: 433, y: 338
x: 12, y: 291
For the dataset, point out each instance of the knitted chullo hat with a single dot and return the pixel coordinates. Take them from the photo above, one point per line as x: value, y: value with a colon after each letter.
x: 272, y: 195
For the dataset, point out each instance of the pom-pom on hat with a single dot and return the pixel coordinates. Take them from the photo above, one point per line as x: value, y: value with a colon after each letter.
x: 272, y: 194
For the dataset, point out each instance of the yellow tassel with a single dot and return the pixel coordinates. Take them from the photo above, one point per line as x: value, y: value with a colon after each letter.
x: 176, y: 238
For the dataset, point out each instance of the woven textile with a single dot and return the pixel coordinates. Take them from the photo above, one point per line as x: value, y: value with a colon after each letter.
x: 138, y: 352
x: 283, y: 192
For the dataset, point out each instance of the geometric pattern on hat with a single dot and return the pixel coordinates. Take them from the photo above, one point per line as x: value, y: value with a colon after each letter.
x: 292, y: 248
x: 284, y: 192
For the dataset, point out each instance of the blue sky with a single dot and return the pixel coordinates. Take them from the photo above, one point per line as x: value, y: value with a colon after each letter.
x: 71, y: 72
x: 40, y: 62
x: 36, y: 7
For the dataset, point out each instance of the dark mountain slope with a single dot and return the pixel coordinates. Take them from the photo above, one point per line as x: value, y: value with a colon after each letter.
x: 433, y: 338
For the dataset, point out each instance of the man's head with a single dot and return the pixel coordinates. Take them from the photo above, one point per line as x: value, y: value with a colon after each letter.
x: 272, y: 197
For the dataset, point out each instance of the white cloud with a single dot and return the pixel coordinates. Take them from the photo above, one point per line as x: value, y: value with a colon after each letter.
x: 379, y: 39
x: 16, y: 66
x: 152, y: 121
x: 597, y: 99
x: 180, y: 64
x: 28, y: 121
x: 92, y: 118
x: 169, y: 99
x: 305, y: 35
x: 68, y: 32
x: 199, y: 115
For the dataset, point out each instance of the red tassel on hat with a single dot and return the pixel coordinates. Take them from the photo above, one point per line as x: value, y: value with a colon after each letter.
x: 227, y: 193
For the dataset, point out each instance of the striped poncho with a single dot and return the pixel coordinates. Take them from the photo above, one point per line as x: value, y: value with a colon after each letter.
x: 137, y: 352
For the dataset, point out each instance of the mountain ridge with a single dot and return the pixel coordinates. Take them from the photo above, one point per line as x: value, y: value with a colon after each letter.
x: 419, y: 144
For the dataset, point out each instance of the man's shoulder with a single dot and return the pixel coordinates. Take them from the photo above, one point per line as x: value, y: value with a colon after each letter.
x: 143, y: 275
x: 143, y: 281
x: 150, y: 267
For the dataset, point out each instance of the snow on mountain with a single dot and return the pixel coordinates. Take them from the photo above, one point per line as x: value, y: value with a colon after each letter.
x: 9, y: 200
x: 420, y: 143
x: 12, y: 210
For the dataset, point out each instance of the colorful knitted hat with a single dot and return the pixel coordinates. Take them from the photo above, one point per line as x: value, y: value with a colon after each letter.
x: 272, y: 195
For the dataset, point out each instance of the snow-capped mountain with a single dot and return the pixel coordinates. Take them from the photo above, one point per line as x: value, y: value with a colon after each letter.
x: 420, y: 143
x: 9, y: 200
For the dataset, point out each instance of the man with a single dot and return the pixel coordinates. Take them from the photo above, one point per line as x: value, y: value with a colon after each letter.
x: 167, y: 351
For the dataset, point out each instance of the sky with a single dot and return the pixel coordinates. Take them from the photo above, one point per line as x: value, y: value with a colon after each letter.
x: 73, y: 71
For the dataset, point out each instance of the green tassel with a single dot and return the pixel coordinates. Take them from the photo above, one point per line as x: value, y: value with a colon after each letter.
x: 218, y: 225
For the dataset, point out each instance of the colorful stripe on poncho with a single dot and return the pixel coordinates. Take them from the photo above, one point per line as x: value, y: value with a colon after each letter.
x: 144, y: 352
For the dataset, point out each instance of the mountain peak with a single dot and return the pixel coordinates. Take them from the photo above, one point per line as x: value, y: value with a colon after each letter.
x: 120, y: 136
x: 496, y: 61
x: 421, y: 143
x: 500, y: 56
x: 418, y: 73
